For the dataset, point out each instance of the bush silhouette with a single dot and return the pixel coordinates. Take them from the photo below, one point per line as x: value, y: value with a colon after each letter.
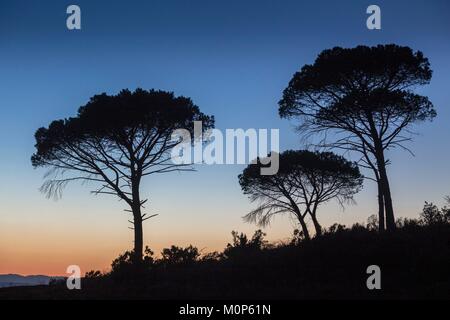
x: 242, y: 246
x: 176, y: 256
x: 432, y: 215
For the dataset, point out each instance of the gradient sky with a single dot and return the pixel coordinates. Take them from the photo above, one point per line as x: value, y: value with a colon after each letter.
x: 233, y: 58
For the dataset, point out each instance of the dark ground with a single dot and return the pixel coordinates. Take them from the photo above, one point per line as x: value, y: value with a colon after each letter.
x: 414, y: 262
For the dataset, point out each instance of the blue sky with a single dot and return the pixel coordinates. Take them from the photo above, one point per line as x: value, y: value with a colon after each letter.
x: 233, y: 58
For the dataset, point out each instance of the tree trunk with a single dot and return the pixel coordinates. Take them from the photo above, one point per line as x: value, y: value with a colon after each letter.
x: 381, y: 223
x: 316, y: 225
x: 385, y: 189
x: 138, y: 234
x: 381, y: 220
x: 137, y: 221
x: 304, y: 227
x: 300, y: 217
x: 390, y: 218
x: 384, y: 181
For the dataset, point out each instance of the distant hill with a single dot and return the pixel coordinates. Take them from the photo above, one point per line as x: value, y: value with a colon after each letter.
x: 16, y: 280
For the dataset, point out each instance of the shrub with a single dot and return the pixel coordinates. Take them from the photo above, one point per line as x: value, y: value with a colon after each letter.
x: 432, y: 215
x: 179, y: 256
x: 242, y: 245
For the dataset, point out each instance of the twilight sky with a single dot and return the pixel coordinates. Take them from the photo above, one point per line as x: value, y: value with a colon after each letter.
x: 233, y: 58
